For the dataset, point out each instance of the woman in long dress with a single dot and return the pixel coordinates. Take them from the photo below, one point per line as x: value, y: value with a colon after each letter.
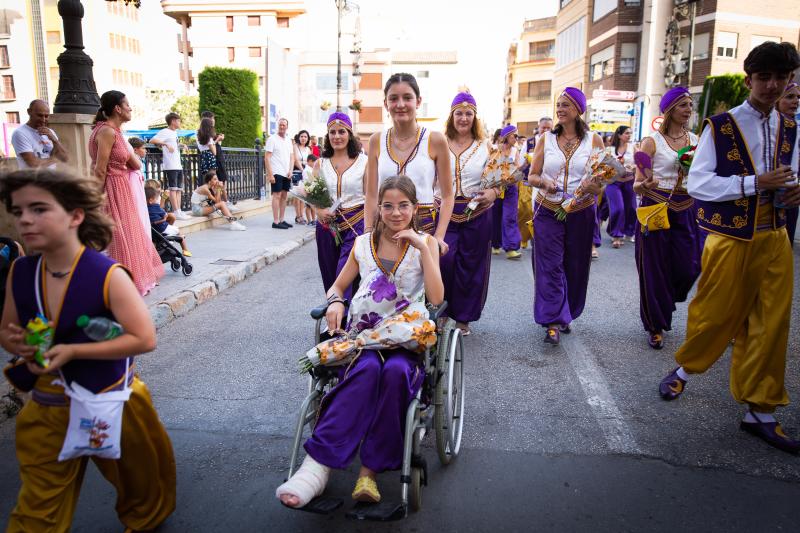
x: 112, y: 159
x: 412, y: 150
x: 668, y: 260
x: 343, y: 166
x: 465, y: 267
x: 562, y: 250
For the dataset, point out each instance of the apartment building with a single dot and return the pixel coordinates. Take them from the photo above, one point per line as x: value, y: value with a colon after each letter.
x: 529, y: 79
x: 249, y: 34
x: 627, y: 68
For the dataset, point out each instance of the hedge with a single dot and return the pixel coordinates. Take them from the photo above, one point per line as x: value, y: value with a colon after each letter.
x: 724, y: 92
x: 232, y: 94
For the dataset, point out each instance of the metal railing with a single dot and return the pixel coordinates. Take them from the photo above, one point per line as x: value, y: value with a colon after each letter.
x: 244, y: 167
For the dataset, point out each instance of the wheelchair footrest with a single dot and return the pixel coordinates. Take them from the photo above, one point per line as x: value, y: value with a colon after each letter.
x: 380, y: 512
x: 320, y: 505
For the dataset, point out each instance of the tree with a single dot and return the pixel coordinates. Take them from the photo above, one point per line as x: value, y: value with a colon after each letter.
x: 188, y: 107
x: 723, y: 93
x: 232, y: 95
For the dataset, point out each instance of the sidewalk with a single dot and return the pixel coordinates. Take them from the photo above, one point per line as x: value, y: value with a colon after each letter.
x: 221, y: 258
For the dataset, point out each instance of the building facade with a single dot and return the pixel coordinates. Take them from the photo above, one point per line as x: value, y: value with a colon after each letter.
x: 630, y: 60
x: 529, y: 79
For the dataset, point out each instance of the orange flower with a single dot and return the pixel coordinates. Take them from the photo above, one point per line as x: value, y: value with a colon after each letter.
x: 425, y: 335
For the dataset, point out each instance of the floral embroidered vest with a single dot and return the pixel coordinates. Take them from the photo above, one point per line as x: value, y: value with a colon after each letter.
x: 737, y: 218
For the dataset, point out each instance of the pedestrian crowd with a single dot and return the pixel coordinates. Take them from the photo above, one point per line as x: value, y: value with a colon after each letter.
x: 413, y: 217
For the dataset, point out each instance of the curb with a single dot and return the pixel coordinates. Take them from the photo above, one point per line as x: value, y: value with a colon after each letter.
x: 182, y: 302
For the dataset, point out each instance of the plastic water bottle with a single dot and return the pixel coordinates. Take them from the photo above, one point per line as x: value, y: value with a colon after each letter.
x: 99, y: 328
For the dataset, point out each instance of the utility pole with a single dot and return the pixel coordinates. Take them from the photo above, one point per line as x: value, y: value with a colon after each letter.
x: 340, y: 6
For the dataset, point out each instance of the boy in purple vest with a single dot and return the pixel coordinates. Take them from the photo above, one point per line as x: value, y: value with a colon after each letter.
x: 740, y: 176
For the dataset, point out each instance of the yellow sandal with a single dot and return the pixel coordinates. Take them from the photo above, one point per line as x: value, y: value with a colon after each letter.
x: 366, y: 490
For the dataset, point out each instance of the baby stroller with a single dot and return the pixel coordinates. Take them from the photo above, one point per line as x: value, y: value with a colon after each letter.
x: 169, y: 250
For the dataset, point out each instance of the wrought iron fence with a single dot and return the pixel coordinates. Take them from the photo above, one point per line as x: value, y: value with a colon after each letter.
x: 244, y: 167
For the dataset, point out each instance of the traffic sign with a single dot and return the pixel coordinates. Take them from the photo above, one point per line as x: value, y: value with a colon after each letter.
x: 657, y: 123
x: 610, y: 94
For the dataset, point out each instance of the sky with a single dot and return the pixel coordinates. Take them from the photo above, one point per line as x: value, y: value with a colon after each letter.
x: 479, y: 31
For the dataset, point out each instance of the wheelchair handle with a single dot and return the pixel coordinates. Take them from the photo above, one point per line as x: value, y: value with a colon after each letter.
x: 319, y: 312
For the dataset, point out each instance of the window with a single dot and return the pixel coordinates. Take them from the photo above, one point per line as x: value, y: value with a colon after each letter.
x: 534, y: 91
x: 5, y: 22
x: 4, y: 57
x: 53, y: 73
x: 700, y: 46
x: 756, y: 40
x: 254, y: 51
x: 327, y: 81
x: 603, y: 8
x: 633, y: 3
x: 541, y: 50
x: 565, y: 2
x: 283, y: 22
x: 7, y: 91
x: 727, y: 43
x: 571, y: 43
x: 231, y: 54
x: 12, y: 117
x: 371, y: 80
x: 601, y: 64
x: 423, y: 74
x: 627, y: 58
x: 254, y: 20
x: 229, y: 23
x: 53, y: 37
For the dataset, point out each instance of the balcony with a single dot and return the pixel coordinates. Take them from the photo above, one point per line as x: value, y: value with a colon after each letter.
x: 188, y: 44
x: 548, y: 23
x: 183, y: 78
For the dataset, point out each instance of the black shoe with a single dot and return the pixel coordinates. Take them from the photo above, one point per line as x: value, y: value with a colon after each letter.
x: 772, y: 434
x: 552, y: 336
x: 286, y: 225
x: 278, y: 225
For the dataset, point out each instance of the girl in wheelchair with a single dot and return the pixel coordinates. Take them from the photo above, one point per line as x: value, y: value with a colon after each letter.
x: 367, y: 408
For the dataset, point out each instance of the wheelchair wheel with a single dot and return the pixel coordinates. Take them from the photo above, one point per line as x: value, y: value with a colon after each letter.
x: 415, y: 492
x: 449, y: 396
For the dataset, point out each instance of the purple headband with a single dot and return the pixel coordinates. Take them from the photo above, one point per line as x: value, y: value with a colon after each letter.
x: 508, y: 130
x: 672, y: 97
x: 577, y: 98
x: 464, y: 100
x: 791, y: 85
x: 340, y: 118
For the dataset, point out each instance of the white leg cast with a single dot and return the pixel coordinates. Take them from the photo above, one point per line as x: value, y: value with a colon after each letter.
x: 307, y: 483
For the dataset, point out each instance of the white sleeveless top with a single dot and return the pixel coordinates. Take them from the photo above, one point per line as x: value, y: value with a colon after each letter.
x: 419, y: 166
x: 567, y: 174
x: 665, y: 162
x: 467, y: 169
x: 408, y: 276
x: 349, y: 185
x: 627, y: 159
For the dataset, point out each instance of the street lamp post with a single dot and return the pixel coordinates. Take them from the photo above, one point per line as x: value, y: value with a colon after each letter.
x: 77, y: 92
x: 342, y: 7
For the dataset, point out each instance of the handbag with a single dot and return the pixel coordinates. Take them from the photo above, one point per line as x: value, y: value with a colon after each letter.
x: 95, y: 420
x: 656, y: 217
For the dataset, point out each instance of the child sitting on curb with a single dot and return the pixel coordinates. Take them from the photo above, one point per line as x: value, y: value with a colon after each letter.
x: 162, y: 221
x: 205, y: 202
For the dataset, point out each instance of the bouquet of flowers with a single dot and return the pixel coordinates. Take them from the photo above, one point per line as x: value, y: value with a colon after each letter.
x: 380, y: 318
x: 500, y: 171
x: 685, y: 157
x: 314, y: 192
x: 603, y: 168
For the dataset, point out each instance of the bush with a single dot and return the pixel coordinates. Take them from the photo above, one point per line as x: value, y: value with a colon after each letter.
x: 723, y: 93
x: 232, y: 94
x: 188, y: 108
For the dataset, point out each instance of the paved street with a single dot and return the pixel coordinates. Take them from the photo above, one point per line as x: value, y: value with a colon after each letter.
x: 572, y: 438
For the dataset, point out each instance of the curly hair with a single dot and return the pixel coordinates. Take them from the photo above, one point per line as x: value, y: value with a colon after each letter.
x: 72, y: 192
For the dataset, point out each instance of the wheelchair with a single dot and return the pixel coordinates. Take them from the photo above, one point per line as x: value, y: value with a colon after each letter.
x: 438, y: 408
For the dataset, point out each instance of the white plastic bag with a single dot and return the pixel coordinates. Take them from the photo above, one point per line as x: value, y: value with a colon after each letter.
x: 95, y: 422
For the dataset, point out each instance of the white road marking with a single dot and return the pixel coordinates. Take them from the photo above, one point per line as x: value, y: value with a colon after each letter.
x: 618, y: 436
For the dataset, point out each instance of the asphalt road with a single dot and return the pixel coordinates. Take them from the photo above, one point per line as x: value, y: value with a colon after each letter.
x: 569, y: 438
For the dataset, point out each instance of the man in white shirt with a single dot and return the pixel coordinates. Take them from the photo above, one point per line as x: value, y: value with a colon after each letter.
x: 741, y: 178
x: 279, y: 162
x: 35, y: 144
x: 167, y: 140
